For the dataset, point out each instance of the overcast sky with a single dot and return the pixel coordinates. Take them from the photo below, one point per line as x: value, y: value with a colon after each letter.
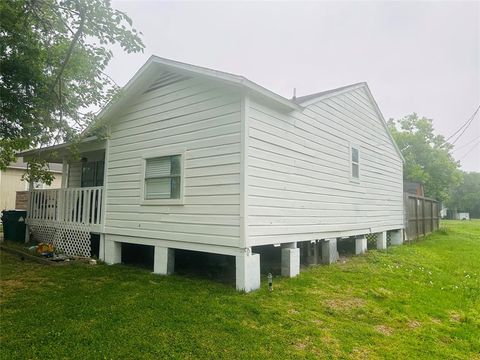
x: 421, y: 57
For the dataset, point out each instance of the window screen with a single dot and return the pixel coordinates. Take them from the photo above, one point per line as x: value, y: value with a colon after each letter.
x: 163, y: 177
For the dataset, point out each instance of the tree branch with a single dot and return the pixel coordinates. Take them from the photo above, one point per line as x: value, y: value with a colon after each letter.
x: 77, y: 35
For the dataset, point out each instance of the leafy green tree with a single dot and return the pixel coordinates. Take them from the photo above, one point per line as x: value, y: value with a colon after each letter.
x: 465, y: 197
x: 427, y: 156
x: 53, y: 54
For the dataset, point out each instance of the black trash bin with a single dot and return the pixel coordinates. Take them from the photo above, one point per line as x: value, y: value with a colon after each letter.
x: 14, y: 225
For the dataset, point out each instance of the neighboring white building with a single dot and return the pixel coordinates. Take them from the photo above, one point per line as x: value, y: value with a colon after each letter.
x: 11, y: 181
x: 207, y: 161
x: 462, y: 216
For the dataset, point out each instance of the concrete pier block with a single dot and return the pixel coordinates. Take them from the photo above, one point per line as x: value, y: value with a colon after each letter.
x: 396, y: 237
x: 313, y: 253
x: 113, y: 252
x: 163, y: 261
x: 329, y: 251
x: 290, y: 260
x: 382, y: 240
x: 360, y: 244
x: 247, y: 271
x: 101, y: 248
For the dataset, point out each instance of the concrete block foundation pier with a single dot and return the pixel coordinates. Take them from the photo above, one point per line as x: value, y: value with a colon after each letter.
x: 286, y: 257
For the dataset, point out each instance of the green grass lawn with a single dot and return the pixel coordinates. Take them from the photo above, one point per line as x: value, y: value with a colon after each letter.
x: 419, y: 301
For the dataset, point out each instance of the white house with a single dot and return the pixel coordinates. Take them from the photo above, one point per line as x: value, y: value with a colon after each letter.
x: 203, y: 160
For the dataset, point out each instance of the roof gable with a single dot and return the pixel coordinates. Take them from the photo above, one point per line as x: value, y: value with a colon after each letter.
x: 158, y: 72
x: 167, y: 71
x: 313, y: 98
x: 307, y: 100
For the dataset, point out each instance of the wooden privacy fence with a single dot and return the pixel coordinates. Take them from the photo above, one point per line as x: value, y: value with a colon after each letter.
x: 421, y: 216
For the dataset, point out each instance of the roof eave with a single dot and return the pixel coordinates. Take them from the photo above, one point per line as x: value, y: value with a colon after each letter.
x: 226, y: 77
x: 49, y: 149
x: 330, y: 93
x: 137, y: 81
x: 379, y: 112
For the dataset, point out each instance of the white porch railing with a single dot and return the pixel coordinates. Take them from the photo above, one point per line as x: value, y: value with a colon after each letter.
x: 68, y: 205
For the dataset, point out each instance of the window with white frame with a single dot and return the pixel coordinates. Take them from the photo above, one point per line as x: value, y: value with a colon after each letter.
x: 163, y: 177
x: 355, y: 162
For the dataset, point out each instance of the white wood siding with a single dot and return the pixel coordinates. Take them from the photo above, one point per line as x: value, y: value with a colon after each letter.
x: 74, y: 174
x: 201, y: 117
x: 299, y: 184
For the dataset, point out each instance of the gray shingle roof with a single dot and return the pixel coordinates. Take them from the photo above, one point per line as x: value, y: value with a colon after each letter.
x: 19, y: 164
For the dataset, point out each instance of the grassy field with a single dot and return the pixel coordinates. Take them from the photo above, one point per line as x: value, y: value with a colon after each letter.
x: 419, y: 301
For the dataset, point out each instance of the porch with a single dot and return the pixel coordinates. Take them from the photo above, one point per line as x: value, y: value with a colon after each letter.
x: 68, y: 206
x: 68, y: 216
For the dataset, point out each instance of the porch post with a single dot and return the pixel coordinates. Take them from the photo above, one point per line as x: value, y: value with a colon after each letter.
x: 29, y: 209
x: 105, y: 181
x: 61, y: 193
x: 101, y: 248
x: 64, y: 173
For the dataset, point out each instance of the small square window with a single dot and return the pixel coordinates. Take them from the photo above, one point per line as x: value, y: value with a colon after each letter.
x: 163, y: 177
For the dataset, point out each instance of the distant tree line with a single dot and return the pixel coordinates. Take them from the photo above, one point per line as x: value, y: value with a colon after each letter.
x: 428, y: 157
x: 465, y: 197
x: 428, y: 160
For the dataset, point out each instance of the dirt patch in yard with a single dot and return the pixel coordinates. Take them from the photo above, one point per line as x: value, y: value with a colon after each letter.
x: 455, y: 316
x: 25, y: 276
x: 384, y: 329
x: 362, y: 353
x: 345, y: 304
x: 9, y: 287
x: 413, y: 324
x: 302, y: 345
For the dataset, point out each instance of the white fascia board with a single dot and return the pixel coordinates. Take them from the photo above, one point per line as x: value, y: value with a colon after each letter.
x: 141, y: 77
x: 20, y: 168
x: 384, y: 123
x: 227, y: 77
x: 47, y: 149
x: 136, y: 81
x: 332, y: 94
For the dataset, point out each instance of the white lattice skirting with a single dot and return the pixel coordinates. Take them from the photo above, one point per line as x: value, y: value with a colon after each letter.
x: 72, y: 239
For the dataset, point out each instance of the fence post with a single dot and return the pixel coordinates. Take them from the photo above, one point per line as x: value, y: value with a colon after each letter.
x: 424, y: 218
x: 417, y: 227
x: 431, y: 207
